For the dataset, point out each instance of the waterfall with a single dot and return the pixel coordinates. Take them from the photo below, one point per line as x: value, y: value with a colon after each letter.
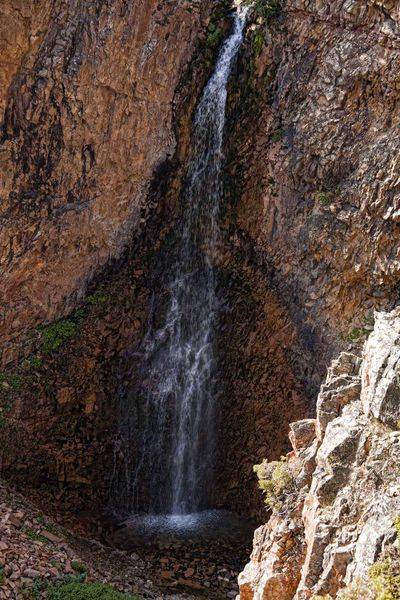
x: 176, y: 402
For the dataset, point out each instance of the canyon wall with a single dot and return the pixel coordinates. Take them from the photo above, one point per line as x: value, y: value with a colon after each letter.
x: 96, y: 104
x: 318, y: 208
x: 314, y: 154
x: 86, y: 111
x: 92, y: 96
x: 96, y: 132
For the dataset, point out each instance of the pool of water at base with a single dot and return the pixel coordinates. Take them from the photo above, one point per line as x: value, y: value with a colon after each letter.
x: 199, y: 553
x: 199, y: 527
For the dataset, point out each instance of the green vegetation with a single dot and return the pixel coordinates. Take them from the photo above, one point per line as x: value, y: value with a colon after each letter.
x: 99, y: 297
x: 385, y: 579
x: 214, y: 35
x: 257, y: 43
x: 11, y: 384
x: 2, y: 576
x: 277, y: 135
x: 11, y: 381
x: 358, y: 590
x: 34, y: 535
x: 356, y: 334
x: 396, y: 525
x: 329, y: 191
x: 78, y: 567
x: 276, y: 481
x: 75, y: 587
x: 77, y: 590
x: 54, y: 335
x: 323, y: 198
x: 33, y: 363
x: 267, y: 9
x: 360, y: 333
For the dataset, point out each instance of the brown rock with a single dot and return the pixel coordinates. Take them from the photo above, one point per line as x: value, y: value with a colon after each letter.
x: 51, y: 537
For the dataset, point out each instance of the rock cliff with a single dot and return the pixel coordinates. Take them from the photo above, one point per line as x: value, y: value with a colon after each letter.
x: 337, y: 506
x: 315, y: 157
x: 86, y: 111
x: 95, y: 104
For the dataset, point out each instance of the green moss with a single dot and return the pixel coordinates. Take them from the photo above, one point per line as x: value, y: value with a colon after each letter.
x: 257, y: 43
x: 85, y: 591
x: 54, y: 335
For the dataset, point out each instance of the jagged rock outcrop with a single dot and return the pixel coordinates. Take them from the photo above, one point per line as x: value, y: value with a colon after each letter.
x: 86, y: 111
x: 346, y: 474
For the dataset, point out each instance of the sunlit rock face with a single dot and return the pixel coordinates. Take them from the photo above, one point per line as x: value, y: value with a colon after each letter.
x: 347, y: 479
x: 86, y: 105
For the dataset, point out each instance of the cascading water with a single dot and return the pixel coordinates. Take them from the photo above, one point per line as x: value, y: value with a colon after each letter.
x: 176, y: 404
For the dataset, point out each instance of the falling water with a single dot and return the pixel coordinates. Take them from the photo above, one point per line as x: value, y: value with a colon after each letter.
x: 175, y: 423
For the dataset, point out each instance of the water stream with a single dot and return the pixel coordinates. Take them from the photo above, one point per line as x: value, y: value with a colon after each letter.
x: 175, y: 402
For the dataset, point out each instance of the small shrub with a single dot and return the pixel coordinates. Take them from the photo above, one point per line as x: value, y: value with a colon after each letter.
x: 78, y: 567
x: 38, y: 586
x: 356, y: 334
x: 76, y: 590
x: 267, y: 9
x: 385, y: 578
x: 329, y: 191
x: 214, y: 35
x: 396, y: 524
x: 357, y: 590
x: 33, y: 363
x: 323, y: 198
x: 276, y: 481
x: 98, y: 298
x: 12, y: 382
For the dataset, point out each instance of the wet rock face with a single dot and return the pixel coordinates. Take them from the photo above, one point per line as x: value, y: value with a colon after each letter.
x: 350, y: 497
x: 319, y: 170
x: 86, y: 106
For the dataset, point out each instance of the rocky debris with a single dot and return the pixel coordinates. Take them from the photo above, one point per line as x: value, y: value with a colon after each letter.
x: 210, y: 569
x: 35, y: 550
x: 348, y: 483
